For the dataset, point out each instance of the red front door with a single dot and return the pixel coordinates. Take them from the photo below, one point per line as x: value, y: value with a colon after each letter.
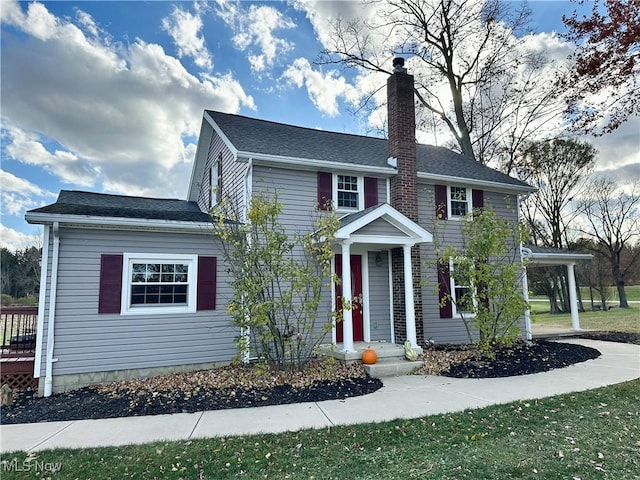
x: 356, y: 292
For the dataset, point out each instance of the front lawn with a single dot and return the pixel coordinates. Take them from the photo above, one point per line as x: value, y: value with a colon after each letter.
x: 587, y: 435
x: 615, y: 320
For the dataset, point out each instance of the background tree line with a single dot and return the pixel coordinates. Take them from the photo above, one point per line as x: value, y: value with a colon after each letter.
x: 20, y: 275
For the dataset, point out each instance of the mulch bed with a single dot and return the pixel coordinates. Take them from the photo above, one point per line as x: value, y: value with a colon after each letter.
x: 619, y: 337
x: 177, y: 394
x: 521, y: 359
x: 90, y: 402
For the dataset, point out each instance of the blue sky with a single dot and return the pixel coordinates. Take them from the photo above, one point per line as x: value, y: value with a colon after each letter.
x: 108, y: 96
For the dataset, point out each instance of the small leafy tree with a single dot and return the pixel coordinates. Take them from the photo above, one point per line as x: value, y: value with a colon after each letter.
x: 489, y: 263
x: 277, y: 280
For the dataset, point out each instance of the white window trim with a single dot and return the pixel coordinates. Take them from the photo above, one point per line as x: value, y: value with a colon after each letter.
x: 127, y: 266
x: 334, y: 190
x: 468, y: 200
x: 452, y: 286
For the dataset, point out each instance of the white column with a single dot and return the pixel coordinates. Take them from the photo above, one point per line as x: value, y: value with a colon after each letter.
x: 573, y: 298
x: 525, y: 295
x: 347, y: 316
x: 409, y: 308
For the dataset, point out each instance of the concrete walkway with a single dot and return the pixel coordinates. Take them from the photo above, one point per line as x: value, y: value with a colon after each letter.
x: 401, y: 397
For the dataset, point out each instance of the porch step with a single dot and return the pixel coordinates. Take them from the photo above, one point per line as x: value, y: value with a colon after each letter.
x: 391, y: 361
x: 391, y: 368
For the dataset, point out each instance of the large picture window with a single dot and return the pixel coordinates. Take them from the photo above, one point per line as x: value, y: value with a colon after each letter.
x: 159, y: 283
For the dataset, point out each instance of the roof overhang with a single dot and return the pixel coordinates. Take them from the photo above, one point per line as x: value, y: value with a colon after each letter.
x: 409, y: 232
x: 496, y: 186
x: 313, y: 164
x: 549, y: 259
x: 121, y: 223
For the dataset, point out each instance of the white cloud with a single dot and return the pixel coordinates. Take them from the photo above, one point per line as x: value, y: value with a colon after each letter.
x: 27, y: 148
x: 120, y: 112
x: 14, y: 240
x: 254, y: 29
x: 85, y: 20
x: 18, y: 194
x: 185, y: 29
x: 324, y: 89
x: 619, y: 149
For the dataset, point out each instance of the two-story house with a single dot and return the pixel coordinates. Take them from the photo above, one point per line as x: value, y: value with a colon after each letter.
x: 137, y: 286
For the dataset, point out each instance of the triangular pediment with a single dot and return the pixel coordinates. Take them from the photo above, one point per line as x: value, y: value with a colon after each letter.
x: 381, y: 224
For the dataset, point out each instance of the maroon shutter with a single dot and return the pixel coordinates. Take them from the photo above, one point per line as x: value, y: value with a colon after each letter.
x: 206, y: 283
x: 370, y: 192
x: 325, y: 194
x: 444, y: 289
x: 110, y: 290
x: 441, y: 202
x: 477, y: 198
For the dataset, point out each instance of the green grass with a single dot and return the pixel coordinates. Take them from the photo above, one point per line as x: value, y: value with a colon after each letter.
x: 588, y: 435
x: 632, y: 292
x: 616, y: 319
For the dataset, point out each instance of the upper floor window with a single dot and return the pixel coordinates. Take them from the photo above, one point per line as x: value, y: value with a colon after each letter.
x: 349, y: 192
x: 215, y: 182
x: 346, y: 192
x: 459, y: 201
x: 455, y: 202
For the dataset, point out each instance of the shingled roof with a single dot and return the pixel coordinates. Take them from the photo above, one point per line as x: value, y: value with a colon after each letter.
x: 254, y: 136
x: 74, y: 202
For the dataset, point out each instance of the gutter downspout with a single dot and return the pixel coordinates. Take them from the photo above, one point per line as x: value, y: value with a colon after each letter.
x: 48, y: 381
x: 42, y: 301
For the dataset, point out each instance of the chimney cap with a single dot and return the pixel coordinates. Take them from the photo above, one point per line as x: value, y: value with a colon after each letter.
x: 398, y: 65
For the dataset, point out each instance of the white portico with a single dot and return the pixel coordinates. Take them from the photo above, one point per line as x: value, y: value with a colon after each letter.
x: 376, y: 228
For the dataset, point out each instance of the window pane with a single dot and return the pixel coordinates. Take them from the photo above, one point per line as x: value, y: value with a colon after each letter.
x: 137, y: 299
x: 159, y: 283
x: 347, y: 199
x: 458, y: 201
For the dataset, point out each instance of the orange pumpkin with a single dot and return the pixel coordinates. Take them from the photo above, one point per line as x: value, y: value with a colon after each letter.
x: 369, y: 356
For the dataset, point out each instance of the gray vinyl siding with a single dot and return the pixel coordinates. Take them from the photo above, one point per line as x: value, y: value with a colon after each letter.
x: 382, y: 190
x: 233, y: 175
x: 90, y: 342
x: 379, y: 311
x: 448, y: 233
x: 296, y: 190
x: 379, y: 227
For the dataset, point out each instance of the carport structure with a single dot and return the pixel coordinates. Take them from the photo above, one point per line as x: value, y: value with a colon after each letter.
x: 552, y: 257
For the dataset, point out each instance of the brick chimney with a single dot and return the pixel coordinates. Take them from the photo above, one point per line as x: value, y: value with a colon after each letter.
x: 401, y: 116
